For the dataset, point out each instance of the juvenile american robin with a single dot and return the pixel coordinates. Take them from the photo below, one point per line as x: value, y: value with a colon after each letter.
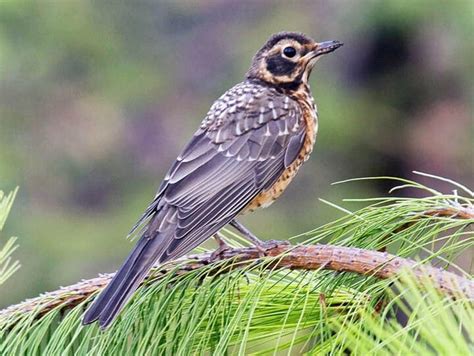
x: 247, y: 150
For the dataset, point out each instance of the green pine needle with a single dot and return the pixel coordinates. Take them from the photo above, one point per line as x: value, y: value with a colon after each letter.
x: 259, y: 310
x: 7, y: 266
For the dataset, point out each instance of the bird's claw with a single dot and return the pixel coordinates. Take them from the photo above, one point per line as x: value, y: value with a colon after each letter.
x: 216, y: 255
x: 264, y: 246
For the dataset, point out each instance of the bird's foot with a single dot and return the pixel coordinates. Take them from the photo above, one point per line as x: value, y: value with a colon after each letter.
x: 216, y: 255
x: 264, y: 246
x: 261, y: 246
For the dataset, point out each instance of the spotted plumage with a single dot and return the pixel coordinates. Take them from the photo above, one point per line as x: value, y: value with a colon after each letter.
x: 246, y: 151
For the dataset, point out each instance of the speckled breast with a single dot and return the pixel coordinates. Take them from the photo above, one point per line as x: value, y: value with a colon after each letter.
x: 310, y: 117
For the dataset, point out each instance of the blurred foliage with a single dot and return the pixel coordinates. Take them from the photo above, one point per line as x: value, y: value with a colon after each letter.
x: 97, y: 99
x: 7, y: 266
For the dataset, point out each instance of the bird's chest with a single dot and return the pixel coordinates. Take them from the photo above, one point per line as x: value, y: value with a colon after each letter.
x: 310, y: 120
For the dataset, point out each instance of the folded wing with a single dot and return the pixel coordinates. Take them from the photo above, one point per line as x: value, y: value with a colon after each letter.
x: 250, y: 135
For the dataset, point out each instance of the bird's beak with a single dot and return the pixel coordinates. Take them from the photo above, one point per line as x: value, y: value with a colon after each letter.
x: 325, y: 47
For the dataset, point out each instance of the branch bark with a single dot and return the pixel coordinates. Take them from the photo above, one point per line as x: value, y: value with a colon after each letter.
x: 304, y: 257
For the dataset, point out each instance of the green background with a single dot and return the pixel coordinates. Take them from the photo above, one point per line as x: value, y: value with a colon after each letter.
x: 98, y: 98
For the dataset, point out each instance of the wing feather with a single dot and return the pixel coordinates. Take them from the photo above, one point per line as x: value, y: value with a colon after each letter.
x: 243, y: 146
x: 250, y: 135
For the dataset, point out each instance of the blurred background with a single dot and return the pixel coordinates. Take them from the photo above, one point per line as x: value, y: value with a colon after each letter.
x: 98, y: 98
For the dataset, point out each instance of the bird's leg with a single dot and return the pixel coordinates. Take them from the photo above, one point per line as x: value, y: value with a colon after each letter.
x: 261, y: 246
x: 247, y: 233
x: 222, y: 246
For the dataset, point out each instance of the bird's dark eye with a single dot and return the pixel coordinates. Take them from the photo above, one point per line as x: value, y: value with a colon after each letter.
x: 289, y: 52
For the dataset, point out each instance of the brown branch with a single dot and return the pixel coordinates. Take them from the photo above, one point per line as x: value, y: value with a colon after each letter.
x: 460, y: 212
x: 304, y: 257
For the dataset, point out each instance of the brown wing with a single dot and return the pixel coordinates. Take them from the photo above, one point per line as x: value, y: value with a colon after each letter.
x: 249, y: 137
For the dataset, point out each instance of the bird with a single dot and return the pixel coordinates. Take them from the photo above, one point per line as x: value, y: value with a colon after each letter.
x: 246, y: 151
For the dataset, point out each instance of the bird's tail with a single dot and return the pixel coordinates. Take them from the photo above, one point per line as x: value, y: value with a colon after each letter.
x: 112, y: 299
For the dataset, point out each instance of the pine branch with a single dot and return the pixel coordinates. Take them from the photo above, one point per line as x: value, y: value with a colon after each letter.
x: 303, y: 257
x: 245, y: 303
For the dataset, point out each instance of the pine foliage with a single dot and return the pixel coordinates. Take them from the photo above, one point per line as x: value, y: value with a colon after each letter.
x: 258, y: 309
x: 7, y: 266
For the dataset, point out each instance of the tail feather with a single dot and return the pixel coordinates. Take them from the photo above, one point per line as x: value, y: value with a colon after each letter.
x: 109, y: 303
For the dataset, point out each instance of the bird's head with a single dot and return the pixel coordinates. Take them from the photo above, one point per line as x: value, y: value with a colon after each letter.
x: 288, y: 58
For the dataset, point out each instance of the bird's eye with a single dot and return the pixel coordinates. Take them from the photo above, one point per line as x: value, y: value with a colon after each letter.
x: 289, y: 52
